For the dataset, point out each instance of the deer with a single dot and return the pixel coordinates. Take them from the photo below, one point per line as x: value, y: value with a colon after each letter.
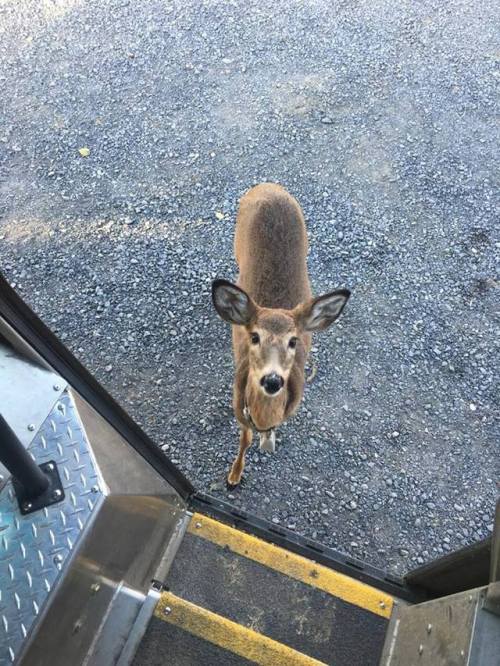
x: 273, y: 314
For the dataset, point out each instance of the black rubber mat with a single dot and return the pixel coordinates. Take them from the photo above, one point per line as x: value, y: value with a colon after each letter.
x: 284, y: 609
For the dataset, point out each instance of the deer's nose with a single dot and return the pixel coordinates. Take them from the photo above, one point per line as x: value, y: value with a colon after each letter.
x: 272, y: 383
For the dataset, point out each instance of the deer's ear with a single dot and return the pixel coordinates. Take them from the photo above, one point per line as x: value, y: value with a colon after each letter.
x: 319, y: 313
x: 232, y: 303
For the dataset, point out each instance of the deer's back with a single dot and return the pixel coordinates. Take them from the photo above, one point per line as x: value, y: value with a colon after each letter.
x: 271, y: 247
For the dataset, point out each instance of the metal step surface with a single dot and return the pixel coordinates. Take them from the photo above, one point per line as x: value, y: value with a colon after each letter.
x: 76, y: 563
x: 232, y: 598
x: 35, y: 549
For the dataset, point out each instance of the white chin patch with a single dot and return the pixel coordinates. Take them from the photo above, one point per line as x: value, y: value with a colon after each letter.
x: 267, y: 441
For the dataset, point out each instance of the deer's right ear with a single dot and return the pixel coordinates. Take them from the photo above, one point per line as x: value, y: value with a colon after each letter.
x: 232, y: 303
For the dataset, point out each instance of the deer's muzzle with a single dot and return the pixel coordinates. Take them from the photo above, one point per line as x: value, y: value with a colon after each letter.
x: 272, y: 383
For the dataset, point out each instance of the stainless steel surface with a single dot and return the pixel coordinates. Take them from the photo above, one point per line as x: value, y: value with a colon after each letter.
x: 120, y: 620
x: 492, y: 598
x: 495, y: 548
x: 93, y: 609
x: 122, y: 467
x: 485, y: 648
x: 26, y: 403
x: 20, y: 346
x: 171, y: 550
x: 139, y: 627
x: 492, y: 601
x: 134, y: 534
x: 75, y: 577
x: 435, y: 633
x: 453, y: 631
x: 35, y: 548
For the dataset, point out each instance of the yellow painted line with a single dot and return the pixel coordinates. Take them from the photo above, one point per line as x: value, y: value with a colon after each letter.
x: 227, y: 634
x: 298, y: 567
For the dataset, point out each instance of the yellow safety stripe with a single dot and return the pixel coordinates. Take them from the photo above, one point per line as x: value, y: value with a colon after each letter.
x: 298, y: 567
x: 227, y: 634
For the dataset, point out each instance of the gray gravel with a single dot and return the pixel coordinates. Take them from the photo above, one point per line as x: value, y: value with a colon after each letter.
x: 378, y: 116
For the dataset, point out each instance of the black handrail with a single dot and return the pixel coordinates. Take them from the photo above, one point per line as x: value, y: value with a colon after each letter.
x: 20, y: 464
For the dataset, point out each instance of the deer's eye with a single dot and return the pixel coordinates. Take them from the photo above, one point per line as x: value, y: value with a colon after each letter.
x: 292, y: 343
x: 255, y: 338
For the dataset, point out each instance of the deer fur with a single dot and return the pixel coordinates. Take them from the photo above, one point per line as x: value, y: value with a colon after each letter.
x: 272, y: 301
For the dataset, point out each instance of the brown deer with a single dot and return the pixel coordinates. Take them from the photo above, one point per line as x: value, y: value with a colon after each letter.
x: 273, y: 314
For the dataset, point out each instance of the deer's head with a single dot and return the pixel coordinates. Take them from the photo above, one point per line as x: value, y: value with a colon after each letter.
x: 275, y: 336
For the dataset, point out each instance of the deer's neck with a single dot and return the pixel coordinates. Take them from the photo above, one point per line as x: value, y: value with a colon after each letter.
x: 266, y: 412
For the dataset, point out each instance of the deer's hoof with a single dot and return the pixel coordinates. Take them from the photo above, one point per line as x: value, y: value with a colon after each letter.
x: 233, y: 482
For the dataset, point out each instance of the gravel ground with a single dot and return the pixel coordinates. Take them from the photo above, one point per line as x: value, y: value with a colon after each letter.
x: 378, y: 117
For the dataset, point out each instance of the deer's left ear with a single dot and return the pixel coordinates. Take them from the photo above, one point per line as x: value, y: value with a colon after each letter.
x: 232, y: 303
x: 320, y: 312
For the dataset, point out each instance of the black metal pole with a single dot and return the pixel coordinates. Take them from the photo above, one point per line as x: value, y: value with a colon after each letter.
x: 19, y: 462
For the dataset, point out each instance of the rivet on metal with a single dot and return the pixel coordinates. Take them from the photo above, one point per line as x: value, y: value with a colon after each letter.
x: 31, y: 427
x: 429, y: 628
x: 27, y: 506
x: 95, y: 587
x: 95, y: 489
x: 50, y: 467
x: 462, y: 653
x: 58, y: 558
x: 381, y: 604
x: 57, y: 387
x: 167, y: 610
x: 198, y: 525
x: 420, y: 648
x: 56, y: 494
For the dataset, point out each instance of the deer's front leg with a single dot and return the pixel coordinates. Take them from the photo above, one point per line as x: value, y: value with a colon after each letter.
x: 234, y: 476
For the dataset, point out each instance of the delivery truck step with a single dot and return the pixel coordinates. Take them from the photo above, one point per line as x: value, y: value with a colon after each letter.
x: 233, y: 598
